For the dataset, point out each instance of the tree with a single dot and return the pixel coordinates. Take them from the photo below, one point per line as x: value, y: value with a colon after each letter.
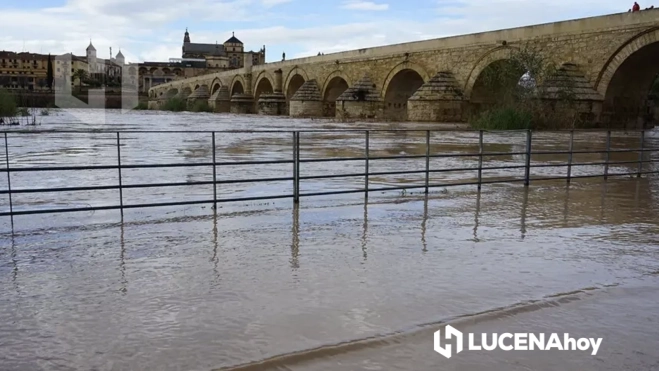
x: 81, y: 75
x: 8, y: 107
x: 526, y: 90
x: 49, y: 74
x: 654, y: 90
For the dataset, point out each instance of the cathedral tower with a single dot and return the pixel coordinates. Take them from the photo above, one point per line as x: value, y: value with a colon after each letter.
x: 91, y: 57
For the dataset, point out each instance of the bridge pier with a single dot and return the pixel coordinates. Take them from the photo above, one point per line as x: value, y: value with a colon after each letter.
x: 201, y: 95
x: 438, y: 100
x: 272, y: 104
x: 307, y: 101
x: 242, y: 103
x: 220, y: 101
x: 569, y: 94
x: 278, y: 88
x: 183, y: 94
x: 362, y: 100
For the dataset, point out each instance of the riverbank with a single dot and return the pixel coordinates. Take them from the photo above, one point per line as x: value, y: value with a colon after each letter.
x: 109, y: 99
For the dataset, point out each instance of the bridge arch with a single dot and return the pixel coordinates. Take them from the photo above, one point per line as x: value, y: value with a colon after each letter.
x: 237, y: 85
x: 403, y: 67
x: 215, y: 85
x: 294, y: 80
x: 171, y: 93
x: 335, y: 84
x: 400, y: 84
x: 185, y: 92
x: 496, y: 54
x: 263, y: 75
x: 626, y: 80
x: 614, y: 62
x: 264, y: 85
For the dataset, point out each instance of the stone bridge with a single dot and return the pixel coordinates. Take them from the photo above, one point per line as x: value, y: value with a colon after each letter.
x: 613, y: 61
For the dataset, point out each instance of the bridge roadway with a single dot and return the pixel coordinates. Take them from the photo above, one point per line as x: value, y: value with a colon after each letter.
x: 611, y: 61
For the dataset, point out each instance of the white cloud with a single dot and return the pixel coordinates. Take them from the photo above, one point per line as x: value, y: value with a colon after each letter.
x: 271, y: 3
x: 364, y: 5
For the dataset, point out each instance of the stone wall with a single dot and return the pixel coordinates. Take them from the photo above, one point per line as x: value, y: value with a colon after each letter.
x: 307, y: 108
x: 273, y: 104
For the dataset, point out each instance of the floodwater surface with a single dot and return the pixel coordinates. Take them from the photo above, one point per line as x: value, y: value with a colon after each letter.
x: 334, y: 283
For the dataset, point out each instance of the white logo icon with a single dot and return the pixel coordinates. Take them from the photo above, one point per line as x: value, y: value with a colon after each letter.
x: 450, y: 332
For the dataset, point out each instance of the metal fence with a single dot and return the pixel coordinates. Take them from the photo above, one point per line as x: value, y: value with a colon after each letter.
x: 296, y: 162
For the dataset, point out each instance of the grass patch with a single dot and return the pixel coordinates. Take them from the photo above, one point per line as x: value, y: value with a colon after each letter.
x: 175, y: 104
x: 504, y: 118
x: 142, y: 106
x: 201, y: 106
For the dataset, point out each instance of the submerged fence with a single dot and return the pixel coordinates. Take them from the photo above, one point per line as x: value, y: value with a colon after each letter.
x: 296, y: 162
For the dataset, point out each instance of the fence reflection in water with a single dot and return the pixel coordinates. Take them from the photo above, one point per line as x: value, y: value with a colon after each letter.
x: 297, y: 162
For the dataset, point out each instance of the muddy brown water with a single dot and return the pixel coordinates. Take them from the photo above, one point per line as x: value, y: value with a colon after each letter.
x: 334, y: 284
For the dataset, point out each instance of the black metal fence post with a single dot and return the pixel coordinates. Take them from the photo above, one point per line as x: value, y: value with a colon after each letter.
x: 569, y: 158
x: 121, y: 191
x: 297, y: 175
x: 608, y: 154
x: 427, y: 160
x: 366, y: 163
x: 11, y: 205
x: 296, y: 167
x: 640, y: 155
x: 480, y: 159
x: 214, y: 175
x: 527, y: 169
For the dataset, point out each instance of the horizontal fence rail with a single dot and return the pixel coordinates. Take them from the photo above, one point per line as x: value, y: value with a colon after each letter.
x: 297, y: 162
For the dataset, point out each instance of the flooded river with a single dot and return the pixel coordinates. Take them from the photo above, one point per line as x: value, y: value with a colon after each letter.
x: 336, y: 283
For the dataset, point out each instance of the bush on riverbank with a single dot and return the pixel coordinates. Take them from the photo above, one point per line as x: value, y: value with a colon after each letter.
x: 8, y: 106
x: 175, y: 104
x: 514, y: 95
x: 142, y: 106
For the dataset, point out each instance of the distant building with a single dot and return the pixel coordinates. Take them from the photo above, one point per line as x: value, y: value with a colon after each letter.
x: 64, y: 66
x: 232, y: 51
x: 23, y: 71
x: 99, y: 68
x: 197, y: 59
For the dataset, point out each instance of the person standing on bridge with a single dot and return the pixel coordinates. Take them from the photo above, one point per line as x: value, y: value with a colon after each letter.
x: 636, y: 7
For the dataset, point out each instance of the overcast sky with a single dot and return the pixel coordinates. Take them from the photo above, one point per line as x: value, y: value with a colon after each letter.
x: 153, y: 29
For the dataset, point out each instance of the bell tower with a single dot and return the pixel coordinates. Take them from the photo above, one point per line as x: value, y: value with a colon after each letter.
x: 91, y: 58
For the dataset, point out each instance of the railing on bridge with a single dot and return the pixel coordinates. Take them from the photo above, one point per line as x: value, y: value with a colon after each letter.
x: 297, y: 162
